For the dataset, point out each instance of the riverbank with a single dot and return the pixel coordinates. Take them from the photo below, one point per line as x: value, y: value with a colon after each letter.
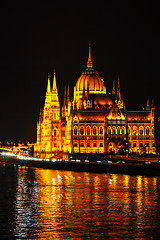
x: 119, y: 167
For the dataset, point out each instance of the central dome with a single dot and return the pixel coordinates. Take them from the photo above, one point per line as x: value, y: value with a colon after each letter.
x: 89, y: 81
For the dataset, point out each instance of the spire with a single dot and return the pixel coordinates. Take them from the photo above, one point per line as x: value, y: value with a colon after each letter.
x: 89, y: 63
x: 54, y: 82
x: 68, y: 96
x: 48, y: 84
x: 118, y: 90
x: 147, y: 107
x: 55, y: 99
x: 48, y: 93
x: 114, y: 88
x: 64, y: 101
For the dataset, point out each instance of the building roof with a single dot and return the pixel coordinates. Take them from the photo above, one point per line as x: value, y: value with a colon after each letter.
x: 90, y: 80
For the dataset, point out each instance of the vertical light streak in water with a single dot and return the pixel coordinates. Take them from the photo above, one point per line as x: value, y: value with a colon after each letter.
x: 26, y: 203
x: 69, y: 205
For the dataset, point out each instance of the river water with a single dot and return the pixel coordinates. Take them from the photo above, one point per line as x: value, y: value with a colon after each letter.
x: 50, y: 204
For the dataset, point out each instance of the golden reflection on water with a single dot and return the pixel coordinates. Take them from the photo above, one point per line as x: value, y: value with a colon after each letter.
x: 72, y: 205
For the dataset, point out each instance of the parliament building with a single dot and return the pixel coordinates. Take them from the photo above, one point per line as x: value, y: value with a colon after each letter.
x: 95, y: 121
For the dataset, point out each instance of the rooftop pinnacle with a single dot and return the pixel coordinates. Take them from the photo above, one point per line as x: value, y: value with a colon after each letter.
x: 89, y: 63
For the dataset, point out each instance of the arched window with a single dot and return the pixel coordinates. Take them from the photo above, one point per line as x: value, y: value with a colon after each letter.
x: 134, y: 130
x: 81, y: 130
x: 82, y: 144
x: 118, y: 131
x: 123, y: 130
x: 141, y: 130
x: 88, y: 144
x: 147, y: 131
x: 101, y: 144
x: 141, y: 144
x: 94, y: 130
x: 109, y: 130
x: 55, y: 132
x: 88, y: 131
x: 114, y: 130
x: 129, y: 131
x: 134, y: 144
x: 101, y: 131
x: 75, y: 131
x: 152, y: 130
x: 94, y: 144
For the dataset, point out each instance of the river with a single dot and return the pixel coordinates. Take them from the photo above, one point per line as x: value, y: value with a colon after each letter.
x: 49, y: 204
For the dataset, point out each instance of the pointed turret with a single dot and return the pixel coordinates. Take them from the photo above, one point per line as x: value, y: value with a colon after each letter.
x: 48, y: 84
x: 68, y: 95
x: 114, y: 88
x: 65, y: 98
x: 118, y: 91
x: 152, y: 106
x: 147, y: 107
x: 55, y: 100
x: 54, y: 82
x: 48, y: 92
x: 89, y: 63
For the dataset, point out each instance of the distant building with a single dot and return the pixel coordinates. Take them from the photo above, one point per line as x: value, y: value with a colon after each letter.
x: 94, y: 121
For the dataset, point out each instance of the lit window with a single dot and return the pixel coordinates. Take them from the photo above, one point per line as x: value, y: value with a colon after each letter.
x: 134, y: 144
x: 101, y: 131
x: 88, y: 131
x: 95, y: 144
x: 82, y: 131
x: 141, y: 144
x: 147, y: 131
x: 123, y: 130
x: 109, y: 130
x: 82, y: 144
x: 134, y: 130
x: 94, y: 131
x: 113, y: 130
x: 75, y: 131
x: 141, y: 131
x: 129, y: 131
x: 55, y: 132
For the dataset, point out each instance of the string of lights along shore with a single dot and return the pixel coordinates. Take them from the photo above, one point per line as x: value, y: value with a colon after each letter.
x: 94, y: 121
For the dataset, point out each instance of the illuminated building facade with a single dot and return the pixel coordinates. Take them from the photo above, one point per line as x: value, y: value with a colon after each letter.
x: 94, y: 121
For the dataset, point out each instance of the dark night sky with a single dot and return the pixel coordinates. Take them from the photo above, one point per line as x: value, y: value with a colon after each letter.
x: 36, y: 39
